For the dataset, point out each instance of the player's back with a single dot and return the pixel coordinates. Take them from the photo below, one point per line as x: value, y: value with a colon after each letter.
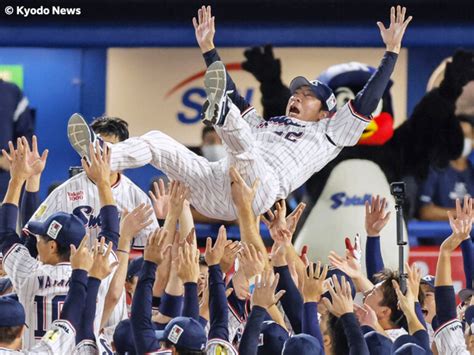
x: 43, y: 294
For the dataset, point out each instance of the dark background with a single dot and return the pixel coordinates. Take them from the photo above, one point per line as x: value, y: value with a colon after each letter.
x: 256, y: 11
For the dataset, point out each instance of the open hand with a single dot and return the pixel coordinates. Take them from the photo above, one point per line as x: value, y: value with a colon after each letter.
x: 214, y: 254
x: 159, y: 199
x: 135, y: 221
x: 264, y: 291
x: 204, y: 29
x: 392, y: 36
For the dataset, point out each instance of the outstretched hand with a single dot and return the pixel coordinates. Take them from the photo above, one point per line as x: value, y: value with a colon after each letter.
x: 23, y: 162
x: 204, y: 29
x: 376, y: 218
x: 393, y: 35
x: 160, y: 199
x: 461, y: 225
x: 99, y: 168
x: 242, y: 194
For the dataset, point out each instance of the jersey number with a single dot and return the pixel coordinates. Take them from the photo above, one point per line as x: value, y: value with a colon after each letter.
x: 41, y: 304
x: 291, y: 136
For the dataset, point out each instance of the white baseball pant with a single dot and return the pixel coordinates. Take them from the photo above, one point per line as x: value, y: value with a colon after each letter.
x: 209, y: 182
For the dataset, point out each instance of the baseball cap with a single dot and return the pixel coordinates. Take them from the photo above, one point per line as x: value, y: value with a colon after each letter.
x: 428, y: 280
x: 465, y: 293
x: 302, y: 344
x: 272, y: 338
x: 185, y: 333
x: 134, y: 267
x: 13, y: 313
x: 5, y: 284
x: 339, y: 274
x: 377, y: 343
x: 320, y: 90
x: 64, y: 228
x: 123, y: 342
x: 407, y: 345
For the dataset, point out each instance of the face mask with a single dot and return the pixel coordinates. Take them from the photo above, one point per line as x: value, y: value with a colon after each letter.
x: 466, y: 150
x: 213, y: 152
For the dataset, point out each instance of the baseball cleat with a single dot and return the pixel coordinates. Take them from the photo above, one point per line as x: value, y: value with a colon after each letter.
x: 215, y: 108
x: 80, y: 135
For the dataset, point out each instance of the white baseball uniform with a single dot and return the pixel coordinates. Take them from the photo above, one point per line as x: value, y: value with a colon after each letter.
x: 80, y: 196
x: 60, y: 339
x: 449, y: 339
x: 283, y: 152
x: 42, y: 290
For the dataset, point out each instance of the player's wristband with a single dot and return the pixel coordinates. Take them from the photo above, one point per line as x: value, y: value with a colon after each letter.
x: 123, y: 251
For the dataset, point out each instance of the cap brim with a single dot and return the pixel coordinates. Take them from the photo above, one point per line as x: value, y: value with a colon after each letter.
x: 423, y: 282
x: 298, y: 82
x: 160, y: 335
x: 465, y: 293
x: 36, y: 228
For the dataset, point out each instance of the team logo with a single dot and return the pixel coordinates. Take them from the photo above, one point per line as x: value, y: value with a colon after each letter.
x: 175, y: 334
x: 75, y: 195
x: 341, y: 199
x: 54, y: 229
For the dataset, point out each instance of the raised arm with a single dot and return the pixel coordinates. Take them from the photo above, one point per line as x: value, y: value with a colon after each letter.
x: 242, y: 196
x: 204, y: 27
x: 461, y: 226
x: 30, y: 200
x: 217, y: 294
x: 376, y: 218
x: 18, y: 263
x: 188, y: 272
x: 342, y: 306
x: 291, y: 301
x: 368, y: 98
x: 143, y: 329
x: 130, y: 225
x: 100, y: 269
x: 99, y: 172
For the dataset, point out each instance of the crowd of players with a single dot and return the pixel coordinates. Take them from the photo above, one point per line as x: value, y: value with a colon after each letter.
x: 238, y: 298
x: 66, y: 282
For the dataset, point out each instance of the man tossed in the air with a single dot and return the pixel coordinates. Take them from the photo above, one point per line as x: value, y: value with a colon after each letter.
x: 282, y: 152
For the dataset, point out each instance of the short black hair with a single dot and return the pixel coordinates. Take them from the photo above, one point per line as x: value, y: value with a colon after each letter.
x: 111, y: 126
x: 9, y: 334
x: 64, y: 251
x: 206, y: 130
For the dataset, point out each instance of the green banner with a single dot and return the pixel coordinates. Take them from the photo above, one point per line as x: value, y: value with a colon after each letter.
x: 12, y: 74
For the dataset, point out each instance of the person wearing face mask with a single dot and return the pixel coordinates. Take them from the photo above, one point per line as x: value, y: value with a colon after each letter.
x: 211, y: 147
x: 439, y: 191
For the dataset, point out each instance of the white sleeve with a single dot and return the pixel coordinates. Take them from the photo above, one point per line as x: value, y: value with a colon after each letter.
x: 19, y: 265
x: 53, y: 203
x: 87, y: 347
x: 59, y: 339
x: 449, y: 338
x: 346, y: 126
x: 251, y: 116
